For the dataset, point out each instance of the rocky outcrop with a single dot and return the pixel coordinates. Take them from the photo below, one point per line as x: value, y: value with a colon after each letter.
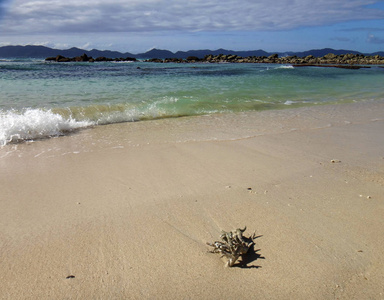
x: 86, y: 58
x: 310, y: 60
x: 329, y: 59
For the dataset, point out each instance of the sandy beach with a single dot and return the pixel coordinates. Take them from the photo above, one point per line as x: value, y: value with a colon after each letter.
x: 124, y: 211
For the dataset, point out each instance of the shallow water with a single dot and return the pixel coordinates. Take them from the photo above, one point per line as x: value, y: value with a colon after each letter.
x: 40, y: 99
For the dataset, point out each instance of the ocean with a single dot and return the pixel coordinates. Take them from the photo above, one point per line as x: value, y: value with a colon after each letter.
x: 41, y: 99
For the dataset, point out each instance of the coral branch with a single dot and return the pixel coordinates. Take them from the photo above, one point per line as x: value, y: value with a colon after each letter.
x: 232, y: 245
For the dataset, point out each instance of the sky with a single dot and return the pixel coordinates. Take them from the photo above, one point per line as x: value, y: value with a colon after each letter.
x: 137, y: 26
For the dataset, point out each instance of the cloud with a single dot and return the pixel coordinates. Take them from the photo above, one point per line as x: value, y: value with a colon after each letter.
x: 374, y: 39
x: 5, y: 44
x: 86, y: 16
x: 87, y: 46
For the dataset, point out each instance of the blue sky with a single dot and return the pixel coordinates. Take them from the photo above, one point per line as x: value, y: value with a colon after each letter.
x: 139, y: 25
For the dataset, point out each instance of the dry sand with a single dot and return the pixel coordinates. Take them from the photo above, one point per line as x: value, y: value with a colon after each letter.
x: 124, y: 211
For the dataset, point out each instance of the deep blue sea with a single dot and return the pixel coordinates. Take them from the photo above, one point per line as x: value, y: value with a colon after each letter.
x: 41, y: 99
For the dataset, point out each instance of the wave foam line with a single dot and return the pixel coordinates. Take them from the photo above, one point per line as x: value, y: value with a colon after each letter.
x: 35, y: 124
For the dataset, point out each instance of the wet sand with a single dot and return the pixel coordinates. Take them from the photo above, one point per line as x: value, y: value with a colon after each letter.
x: 124, y: 211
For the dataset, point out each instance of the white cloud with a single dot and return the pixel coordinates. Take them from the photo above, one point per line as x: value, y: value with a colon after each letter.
x: 87, y: 46
x: 5, y: 44
x: 50, y: 16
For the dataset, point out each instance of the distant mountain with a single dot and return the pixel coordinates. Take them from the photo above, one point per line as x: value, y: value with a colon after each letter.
x: 155, y: 53
x: 106, y: 53
x: 322, y: 52
x: 381, y: 53
x: 26, y: 51
x: 202, y: 53
x: 44, y: 52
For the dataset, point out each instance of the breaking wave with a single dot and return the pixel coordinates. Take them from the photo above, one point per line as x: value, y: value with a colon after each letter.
x: 30, y: 124
x: 35, y: 124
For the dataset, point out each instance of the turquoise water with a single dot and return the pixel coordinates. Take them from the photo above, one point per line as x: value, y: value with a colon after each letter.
x: 40, y: 99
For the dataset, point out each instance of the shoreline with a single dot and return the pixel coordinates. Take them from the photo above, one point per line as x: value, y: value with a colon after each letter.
x: 125, y: 210
x: 278, y: 112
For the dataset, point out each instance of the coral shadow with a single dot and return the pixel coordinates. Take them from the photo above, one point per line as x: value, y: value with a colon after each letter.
x: 250, y: 257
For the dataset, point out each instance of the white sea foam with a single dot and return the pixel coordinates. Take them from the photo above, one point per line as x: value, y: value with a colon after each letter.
x: 34, y: 124
x: 289, y: 102
x: 285, y: 67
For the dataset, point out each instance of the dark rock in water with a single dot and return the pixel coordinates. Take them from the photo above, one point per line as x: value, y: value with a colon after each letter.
x: 330, y: 56
x: 86, y: 58
x: 82, y: 58
x: 60, y: 58
x: 102, y: 58
x: 192, y: 58
x: 173, y: 60
x: 348, y: 61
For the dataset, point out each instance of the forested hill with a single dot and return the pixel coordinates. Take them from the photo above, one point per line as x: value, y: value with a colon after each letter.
x: 43, y: 52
